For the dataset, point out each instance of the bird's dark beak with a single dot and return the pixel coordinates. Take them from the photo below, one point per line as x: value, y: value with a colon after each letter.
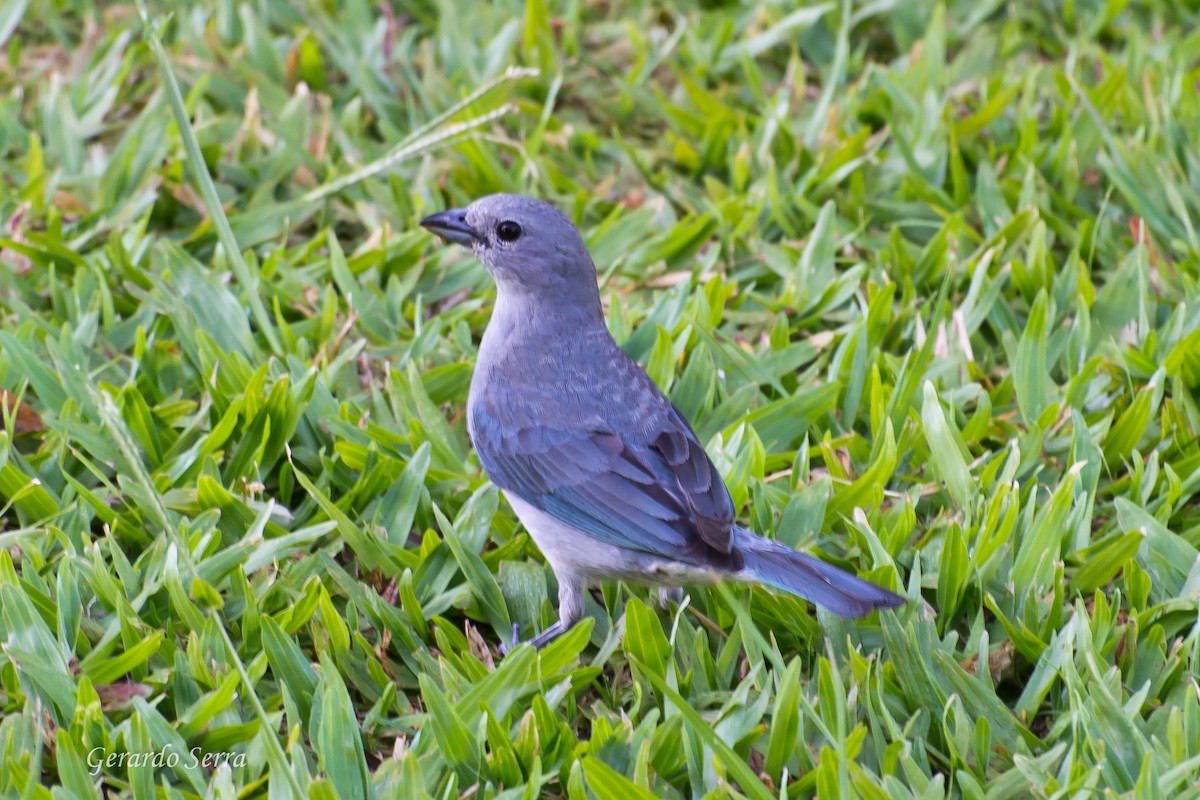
x: 452, y: 226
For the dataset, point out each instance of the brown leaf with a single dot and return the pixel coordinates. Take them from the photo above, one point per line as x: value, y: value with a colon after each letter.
x: 999, y: 660
x: 26, y: 420
x: 117, y: 695
x: 479, y: 647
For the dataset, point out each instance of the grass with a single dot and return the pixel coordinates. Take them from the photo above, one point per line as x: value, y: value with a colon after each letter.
x: 924, y: 276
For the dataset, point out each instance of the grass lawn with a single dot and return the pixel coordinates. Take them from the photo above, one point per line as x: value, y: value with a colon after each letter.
x: 924, y: 276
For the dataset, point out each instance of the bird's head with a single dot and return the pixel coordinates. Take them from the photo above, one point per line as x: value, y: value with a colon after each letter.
x: 526, y: 244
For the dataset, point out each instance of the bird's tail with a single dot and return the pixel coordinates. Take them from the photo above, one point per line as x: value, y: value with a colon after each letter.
x: 778, y: 565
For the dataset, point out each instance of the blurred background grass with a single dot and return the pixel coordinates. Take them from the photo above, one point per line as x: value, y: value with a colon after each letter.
x: 923, y: 274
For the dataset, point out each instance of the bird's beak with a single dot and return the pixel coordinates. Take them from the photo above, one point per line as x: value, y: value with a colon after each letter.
x: 452, y: 226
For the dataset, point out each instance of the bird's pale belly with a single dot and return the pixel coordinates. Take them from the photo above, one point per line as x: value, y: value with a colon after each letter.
x: 571, y: 552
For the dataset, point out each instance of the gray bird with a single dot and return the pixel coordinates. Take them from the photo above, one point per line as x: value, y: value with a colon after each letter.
x: 602, y: 470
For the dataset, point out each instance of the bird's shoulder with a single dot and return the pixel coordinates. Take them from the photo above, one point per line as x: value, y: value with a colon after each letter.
x: 583, y: 381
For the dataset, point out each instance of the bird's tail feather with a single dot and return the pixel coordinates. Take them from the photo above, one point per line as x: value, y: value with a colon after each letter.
x: 846, y: 595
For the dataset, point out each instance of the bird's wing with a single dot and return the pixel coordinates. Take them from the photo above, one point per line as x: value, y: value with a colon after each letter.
x: 663, y: 496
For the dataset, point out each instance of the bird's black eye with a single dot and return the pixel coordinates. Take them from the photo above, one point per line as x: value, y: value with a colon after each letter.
x: 508, y: 231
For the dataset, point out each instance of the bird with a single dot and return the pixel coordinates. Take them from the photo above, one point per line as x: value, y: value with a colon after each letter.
x: 602, y: 470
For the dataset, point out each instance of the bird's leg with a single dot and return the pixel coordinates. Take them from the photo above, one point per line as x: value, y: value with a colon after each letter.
x: 570, y: 611
x: 669, y: 594
x: 547, y: 636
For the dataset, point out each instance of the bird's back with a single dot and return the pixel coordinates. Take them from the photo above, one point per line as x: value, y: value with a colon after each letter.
x: 573, y: 375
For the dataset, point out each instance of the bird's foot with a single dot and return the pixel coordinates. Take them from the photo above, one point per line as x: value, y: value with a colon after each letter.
x: 506, y: 648
x: 669, y: 594
x: 541, y: 640
x: 547, y: 636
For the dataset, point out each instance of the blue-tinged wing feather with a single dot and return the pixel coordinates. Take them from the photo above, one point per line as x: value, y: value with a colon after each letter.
x: 663, y: 496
